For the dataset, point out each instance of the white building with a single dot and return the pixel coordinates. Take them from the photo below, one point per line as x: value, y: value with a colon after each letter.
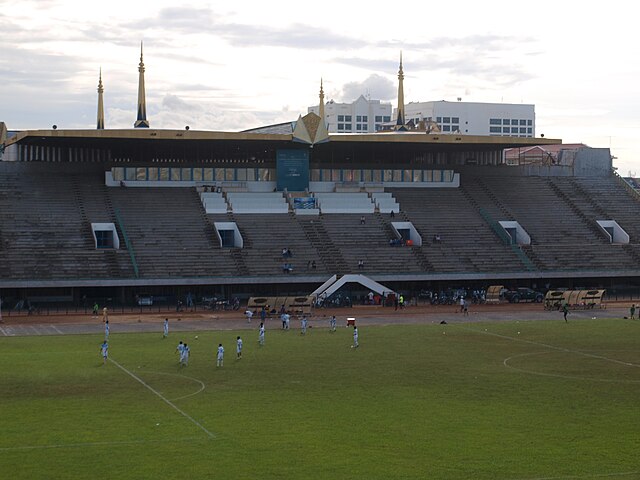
x: 361, y: 116
x: 473, y: 118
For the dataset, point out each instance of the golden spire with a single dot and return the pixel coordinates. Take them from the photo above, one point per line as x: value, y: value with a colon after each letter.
x: 321, y: 109
x: 400, y: 119
x: 142, y: 103
x: 100, y: 103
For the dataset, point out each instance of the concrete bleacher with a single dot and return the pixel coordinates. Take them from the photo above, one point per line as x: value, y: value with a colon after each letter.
x: 169, y: 233
x: 213, y: 202
x: 264, y: 238
x: 347, y: 202
x: 45, y: 224
x: 467, y: 242
x: 257, y: 202
x: 385, y: 203
x: 369, y: 241
x: 46, y: 211
x: 564, y: 235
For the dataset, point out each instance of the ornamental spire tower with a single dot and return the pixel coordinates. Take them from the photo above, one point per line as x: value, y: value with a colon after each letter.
x: 142, y: 103
x: 321, y: 108
x: 400, y: 119
x: 100, y: 103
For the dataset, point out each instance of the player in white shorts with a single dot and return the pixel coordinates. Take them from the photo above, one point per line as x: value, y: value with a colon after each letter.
x: 303, y: 325
x: 238, y: 348
x: 332, y: 323
x: 106, y: 330
x: 104, y: 350
x: 261, y: 334
x: 355, y: 337
x: 184, y: 358
x: 220, y: 360
x: 165, y: 333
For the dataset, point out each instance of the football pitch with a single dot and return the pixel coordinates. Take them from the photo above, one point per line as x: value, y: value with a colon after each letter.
x: 510, y: 400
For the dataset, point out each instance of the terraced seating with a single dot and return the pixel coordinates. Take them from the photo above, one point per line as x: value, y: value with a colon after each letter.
x: 344, y: 203
x: 169, y: 233
x: 468, y: 244
x: 264, y: 238
x: 254, y: 202
x: 45, y: 230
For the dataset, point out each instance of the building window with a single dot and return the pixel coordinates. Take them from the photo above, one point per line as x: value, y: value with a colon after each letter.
x: 341, y: 126
x: 446, y: 128
x: 386, y: 118
x: 455, y: 120
x: 365, y: 127
x: 153, y: 174
x: 455, y: 128
x: 523, y: 122
x: 378, y: 118
x: 529, y: 122
x: 446, y: 120
x: 358, y: 118
x: 495, y: 130
x: 341, y: 118
x: 529, y: 130
x: 347, y: 118
x: 514, y: 130
x: 514, y: 122
x: 164, y: 174
x: 495, y: 121
x: 347, y: 126
x: 439, y: 119
x: 523, y: 129
x: 378, y: 127
x: 506, y: 121
x: 365, y: 118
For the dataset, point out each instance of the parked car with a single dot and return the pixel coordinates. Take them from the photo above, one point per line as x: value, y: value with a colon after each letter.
x: 144, y: 300
x: 523, y: 294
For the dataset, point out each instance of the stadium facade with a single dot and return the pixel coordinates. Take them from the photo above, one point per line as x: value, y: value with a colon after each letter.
x: 104, y: 212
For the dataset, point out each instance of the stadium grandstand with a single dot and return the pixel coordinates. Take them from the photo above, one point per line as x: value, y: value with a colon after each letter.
x: 280, y: 209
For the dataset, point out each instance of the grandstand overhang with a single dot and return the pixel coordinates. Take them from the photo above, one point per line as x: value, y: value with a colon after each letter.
x: 110, y: 137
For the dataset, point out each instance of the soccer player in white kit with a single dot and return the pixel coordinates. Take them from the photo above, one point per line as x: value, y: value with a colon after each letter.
x: 238, y: 348
x: 106, y: 330
x: 332, y: 323
x: 261, y: 334
x: 303, y: 324
x: 184, y: 358
x: 249, y: 314
x: 180, y: 350
x: 165, y: 334
x: 104, y: 350
x: 220, y: 360
x: 355, y: 337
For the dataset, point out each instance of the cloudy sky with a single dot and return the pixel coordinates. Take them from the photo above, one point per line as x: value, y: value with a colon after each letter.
x: 236, y: 65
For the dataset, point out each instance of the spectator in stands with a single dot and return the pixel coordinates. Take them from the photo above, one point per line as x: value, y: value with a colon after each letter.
x: 360, y: 264
x: 287, y: 268
x: 285, y: 252
x: 122, y: 184
x: 308, y: 264
x: 392, y: 215
x: 436, y: 238
x: 362, y: 220
x: 313, y: 264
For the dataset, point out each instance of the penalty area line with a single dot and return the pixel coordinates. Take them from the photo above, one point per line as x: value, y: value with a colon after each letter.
x: 164, y: 399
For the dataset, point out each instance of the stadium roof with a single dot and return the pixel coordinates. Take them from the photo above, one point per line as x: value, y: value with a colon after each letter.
x: 99, y: 136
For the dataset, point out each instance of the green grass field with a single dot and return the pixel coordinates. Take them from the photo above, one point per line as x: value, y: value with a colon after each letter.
x: 479, y: 402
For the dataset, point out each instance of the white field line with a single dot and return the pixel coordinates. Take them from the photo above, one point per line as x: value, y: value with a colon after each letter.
x: 4, y: 332
x: 506, y: 363
x: 164, y: 399
x: 584, y: 477
x: 57, y: 329
x: 202, y: 386
x: 92, y: 444
x: 552, y: 347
